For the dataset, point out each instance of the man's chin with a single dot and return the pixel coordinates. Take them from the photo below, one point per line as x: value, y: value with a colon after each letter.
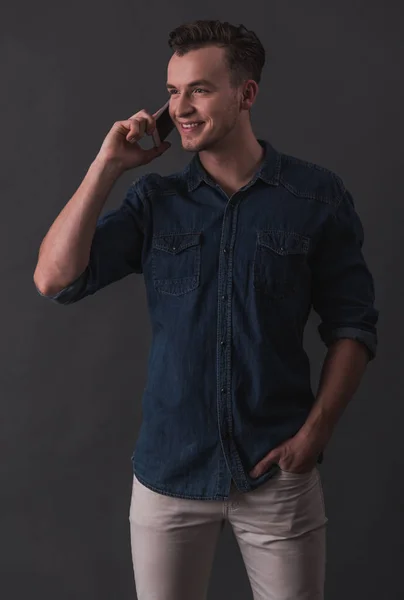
x: 193, y: 146
x: 197, y: 145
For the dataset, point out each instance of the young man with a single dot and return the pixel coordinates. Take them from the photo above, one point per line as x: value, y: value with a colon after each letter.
x: 235, y: 251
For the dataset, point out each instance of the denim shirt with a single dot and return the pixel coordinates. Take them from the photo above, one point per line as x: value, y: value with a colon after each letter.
x: 230, y: 283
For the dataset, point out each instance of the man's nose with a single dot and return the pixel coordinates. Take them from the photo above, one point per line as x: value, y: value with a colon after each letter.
x: 184, y: 107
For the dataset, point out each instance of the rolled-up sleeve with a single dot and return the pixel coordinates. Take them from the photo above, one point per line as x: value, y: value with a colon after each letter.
x: 343, y: 288
x: 116, y: 250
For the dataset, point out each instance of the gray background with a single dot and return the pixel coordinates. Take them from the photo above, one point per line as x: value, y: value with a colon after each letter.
x: 71, y: 378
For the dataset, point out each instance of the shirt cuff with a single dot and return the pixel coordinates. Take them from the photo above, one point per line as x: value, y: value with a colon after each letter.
x: 360, y: 335
x: 70, y: 293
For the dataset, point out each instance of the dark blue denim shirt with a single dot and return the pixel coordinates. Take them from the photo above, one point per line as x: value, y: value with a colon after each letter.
x: 230, y: 283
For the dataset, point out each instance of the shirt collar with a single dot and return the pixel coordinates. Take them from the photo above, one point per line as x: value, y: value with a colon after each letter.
x: 268, y: 171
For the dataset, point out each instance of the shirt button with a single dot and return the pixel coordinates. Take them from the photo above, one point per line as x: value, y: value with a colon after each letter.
x: 222, y: 343
x: 223, y: 297
x: 223, y: 390
x: 224, y: 250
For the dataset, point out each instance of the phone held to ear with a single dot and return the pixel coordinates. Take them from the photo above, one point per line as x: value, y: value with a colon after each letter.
x: 164, y: 124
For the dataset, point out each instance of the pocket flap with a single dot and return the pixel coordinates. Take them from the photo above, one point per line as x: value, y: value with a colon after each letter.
x: 284, y: 242
x: 176, y: 242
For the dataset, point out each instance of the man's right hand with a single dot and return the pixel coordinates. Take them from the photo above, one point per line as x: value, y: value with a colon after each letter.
x: 117, y: 148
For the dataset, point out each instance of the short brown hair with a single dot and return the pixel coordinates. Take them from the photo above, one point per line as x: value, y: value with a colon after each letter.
x: 245, y: 55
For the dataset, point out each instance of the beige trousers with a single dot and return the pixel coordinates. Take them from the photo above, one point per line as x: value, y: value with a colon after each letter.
x: 280, y: 528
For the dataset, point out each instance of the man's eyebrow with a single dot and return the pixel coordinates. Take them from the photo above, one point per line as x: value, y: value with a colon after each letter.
x: 194, y: 83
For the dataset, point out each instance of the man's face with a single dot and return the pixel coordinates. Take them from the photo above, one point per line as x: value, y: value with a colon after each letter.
x: 200, y: 92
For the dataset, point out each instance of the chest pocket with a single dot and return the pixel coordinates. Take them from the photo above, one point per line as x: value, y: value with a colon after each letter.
x: 280, y: 262
x: 176, y: 260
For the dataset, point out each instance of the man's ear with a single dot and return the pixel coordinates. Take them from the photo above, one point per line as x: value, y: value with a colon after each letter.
x: 249, y: 94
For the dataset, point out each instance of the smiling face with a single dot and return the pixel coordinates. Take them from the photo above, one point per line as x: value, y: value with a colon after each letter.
x: 201, y: 96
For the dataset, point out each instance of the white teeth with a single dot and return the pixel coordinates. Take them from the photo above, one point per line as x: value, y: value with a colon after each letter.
x: 191, y: 125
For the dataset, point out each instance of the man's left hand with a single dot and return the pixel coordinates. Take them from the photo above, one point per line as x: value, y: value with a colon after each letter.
x: 298, y: 454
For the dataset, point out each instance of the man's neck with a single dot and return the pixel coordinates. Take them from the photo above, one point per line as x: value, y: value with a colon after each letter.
x: 234, y: 166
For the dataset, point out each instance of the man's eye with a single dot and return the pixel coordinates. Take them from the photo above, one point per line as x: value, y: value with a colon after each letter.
x: 172, y: 92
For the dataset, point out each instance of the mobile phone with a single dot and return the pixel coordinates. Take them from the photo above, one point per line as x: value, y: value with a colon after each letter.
x: 164, y: 124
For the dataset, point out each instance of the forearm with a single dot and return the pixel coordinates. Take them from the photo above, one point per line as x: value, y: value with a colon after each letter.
x: 342, y: 371
x: 65, y: 250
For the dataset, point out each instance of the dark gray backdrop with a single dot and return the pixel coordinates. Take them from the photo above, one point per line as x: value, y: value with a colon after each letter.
x: 72, y: 377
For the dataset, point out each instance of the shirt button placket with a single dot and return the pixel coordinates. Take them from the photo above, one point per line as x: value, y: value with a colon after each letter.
x: 223, y: 332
